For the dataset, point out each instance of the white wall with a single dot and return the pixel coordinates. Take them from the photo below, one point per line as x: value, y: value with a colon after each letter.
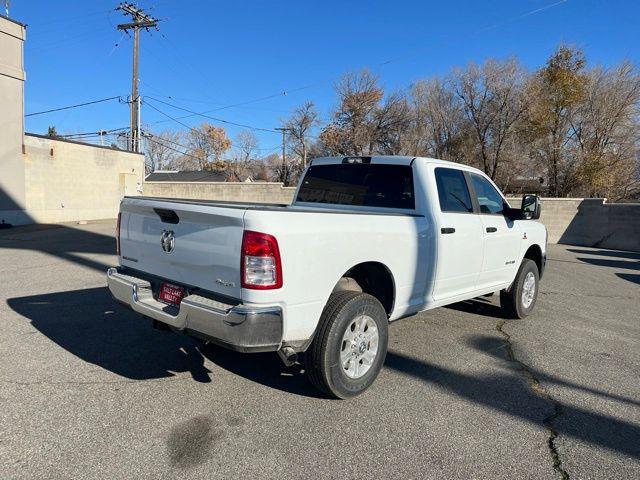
x: 69, y: 181
x: 12, y: 188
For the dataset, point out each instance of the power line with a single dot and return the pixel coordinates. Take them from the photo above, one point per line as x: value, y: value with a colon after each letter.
x: 73, y: 106
x: 99, y: 132
x: 221, y: 120
x: 49, y: 44
x: 383, y: 63
x: 170, y: 117
x: 240, y: 104
x: 152, y: 138
x: 265, y: 149
x: 165, y: 140
x: 177, y: 120
x: 67, y: 19
x: 163, y: 94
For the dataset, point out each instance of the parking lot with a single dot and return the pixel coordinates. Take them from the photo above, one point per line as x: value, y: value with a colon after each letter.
x: 89, y: 390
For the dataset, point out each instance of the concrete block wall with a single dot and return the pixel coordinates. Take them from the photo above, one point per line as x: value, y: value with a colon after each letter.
x: 70, y: 181
x: 591, y: 222
x: 259, y: 192
x: 604, y: 225
x: 557, y: 214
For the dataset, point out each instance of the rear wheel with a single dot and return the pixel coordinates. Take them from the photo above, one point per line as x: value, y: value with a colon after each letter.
x: 519, y: 299
x: 350, y: 345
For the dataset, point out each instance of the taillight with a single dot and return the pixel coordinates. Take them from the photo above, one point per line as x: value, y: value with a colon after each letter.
x: 118, y: 235
x: 260, y: 261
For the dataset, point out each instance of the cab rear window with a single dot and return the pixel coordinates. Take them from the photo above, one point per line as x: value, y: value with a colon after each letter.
x: 366, y: 185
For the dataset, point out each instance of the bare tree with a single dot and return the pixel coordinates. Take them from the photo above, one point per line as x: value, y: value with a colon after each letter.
x: 298, y: 126
x: 364, y: 123
x: 280, y: 171
x: 240, y: 168
x: 247, y: 143
x: 439, y: 123
x: 162, y: 150
x: 492, y: 100
x: 608, y: 132
x: 575, y: 126
x: 351, y: 132
x: 389, y: 126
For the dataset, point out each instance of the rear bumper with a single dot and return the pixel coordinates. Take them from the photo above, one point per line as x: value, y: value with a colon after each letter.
x: 239, y: 327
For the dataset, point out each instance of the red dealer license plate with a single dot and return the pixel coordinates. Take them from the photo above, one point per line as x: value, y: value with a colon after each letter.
x: 171, y: 294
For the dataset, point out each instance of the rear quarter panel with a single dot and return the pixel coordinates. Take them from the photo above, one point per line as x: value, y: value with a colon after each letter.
x: 318, y: 248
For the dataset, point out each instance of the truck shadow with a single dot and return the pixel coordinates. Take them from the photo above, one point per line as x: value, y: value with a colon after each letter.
x: 608, y: 258
x: 61, y: 241
x: 607, y: 262
x: 606, y: 253
x: 629, y: 277
x: 263, y: 368
x: 507, y: 394
x: 479, y: 306
x: 90, y: 325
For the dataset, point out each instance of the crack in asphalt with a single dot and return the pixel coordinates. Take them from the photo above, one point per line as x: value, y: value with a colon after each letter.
x: 538, y: 389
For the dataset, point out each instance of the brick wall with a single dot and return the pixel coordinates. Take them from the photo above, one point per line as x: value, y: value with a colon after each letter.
x: 591, y: 222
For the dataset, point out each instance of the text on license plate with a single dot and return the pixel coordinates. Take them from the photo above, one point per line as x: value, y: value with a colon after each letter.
x: 171, y: 294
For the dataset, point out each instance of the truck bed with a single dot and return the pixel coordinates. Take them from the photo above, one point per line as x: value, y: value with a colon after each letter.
x: 274, y: 207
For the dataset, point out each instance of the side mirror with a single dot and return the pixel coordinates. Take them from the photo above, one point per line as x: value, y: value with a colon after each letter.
x: 530, y: 208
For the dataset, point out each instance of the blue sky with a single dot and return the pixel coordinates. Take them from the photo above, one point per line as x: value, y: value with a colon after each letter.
x: 211, y: 54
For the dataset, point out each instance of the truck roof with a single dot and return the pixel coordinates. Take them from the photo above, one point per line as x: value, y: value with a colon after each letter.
x: 387, y: 159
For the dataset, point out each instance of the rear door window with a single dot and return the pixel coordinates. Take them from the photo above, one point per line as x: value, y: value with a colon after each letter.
x: 367, y: 185
x: 452, y: 191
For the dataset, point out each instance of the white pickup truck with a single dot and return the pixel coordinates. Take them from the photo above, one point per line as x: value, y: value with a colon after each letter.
x: 367, y: 240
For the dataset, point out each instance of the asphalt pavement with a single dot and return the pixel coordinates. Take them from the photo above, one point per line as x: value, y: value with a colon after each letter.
x: 90, y: 390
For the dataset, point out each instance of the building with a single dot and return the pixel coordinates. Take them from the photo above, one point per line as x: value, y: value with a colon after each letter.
x: 49, y: 180
x: 12, y: 77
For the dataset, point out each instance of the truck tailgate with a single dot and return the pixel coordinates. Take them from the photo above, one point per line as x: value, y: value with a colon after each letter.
x: 205, y: 251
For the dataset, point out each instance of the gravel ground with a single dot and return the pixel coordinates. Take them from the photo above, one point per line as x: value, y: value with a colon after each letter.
x: 89, y: 390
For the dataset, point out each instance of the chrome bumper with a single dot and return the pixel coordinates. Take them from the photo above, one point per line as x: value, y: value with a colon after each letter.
x: 239, y: 327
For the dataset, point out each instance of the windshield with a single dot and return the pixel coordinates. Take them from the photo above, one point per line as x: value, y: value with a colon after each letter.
x: 367, y: 185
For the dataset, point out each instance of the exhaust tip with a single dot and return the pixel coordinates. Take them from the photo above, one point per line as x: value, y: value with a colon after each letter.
x: 288, y: 356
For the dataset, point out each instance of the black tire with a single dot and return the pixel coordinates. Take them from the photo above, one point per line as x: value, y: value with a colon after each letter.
x: 511, y: 299
x: 322, y: 359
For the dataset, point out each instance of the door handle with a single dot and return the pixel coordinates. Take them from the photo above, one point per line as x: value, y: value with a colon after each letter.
x: 446, y: 230
x: 491, y: 229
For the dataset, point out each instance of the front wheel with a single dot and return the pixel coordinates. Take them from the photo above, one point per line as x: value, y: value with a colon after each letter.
x: 520, y: 298
x: 350, y: 345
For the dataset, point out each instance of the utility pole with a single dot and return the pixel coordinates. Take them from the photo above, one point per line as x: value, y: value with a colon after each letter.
x: 139, y: 20
x: 284, y: 131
